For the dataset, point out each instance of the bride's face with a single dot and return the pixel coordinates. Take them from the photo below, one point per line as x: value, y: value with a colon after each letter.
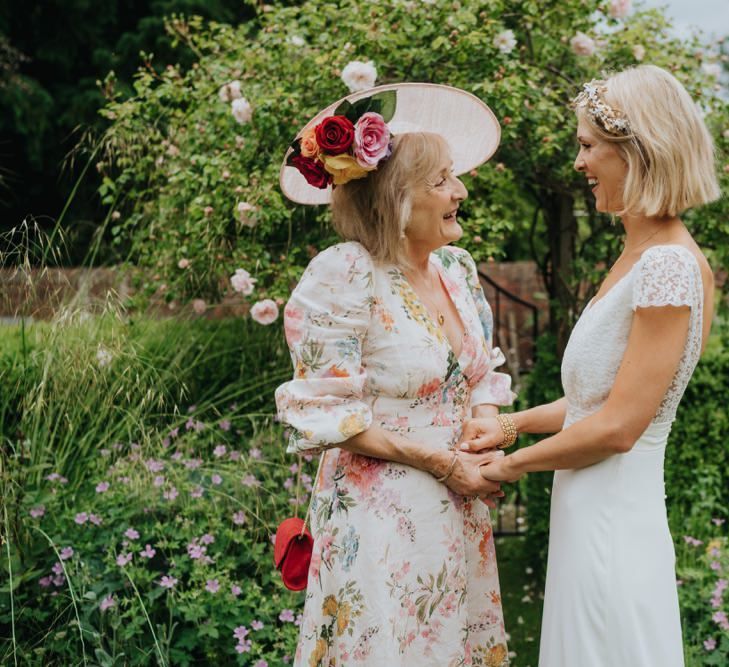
x: 604, y: 168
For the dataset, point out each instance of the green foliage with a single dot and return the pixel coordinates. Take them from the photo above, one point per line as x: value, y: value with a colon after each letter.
x: 178, y: 165
x: 703, y: 572
x: 73, y: 418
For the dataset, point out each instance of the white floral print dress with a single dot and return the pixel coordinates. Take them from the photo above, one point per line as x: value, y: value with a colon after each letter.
x: 403, y: 571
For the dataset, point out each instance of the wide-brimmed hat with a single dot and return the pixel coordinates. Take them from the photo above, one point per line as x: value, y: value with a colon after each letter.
x: 462, y: 119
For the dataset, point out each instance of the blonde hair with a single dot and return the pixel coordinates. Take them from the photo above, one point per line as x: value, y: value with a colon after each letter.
x: 375, y: 210
x: 669, y: 151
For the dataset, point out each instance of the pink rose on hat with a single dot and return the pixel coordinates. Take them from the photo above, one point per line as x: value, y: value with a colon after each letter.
x: 371, y: 140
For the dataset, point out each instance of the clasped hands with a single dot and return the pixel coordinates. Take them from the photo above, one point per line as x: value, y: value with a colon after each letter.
x: 481, y: 466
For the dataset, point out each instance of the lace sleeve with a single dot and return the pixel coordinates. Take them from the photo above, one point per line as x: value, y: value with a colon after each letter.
x: 666, y: 277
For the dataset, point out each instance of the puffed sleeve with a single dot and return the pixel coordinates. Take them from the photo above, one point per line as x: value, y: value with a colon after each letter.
x: 666, y: 276
x: 494, y: 387
x: 325, y: 321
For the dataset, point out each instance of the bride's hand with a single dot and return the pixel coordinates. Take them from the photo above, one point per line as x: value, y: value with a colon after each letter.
x: 480, y: 434
x: 500, y: 470
x: 465, y: 480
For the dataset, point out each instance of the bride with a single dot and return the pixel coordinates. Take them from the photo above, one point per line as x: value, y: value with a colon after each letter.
x: 611, y: 595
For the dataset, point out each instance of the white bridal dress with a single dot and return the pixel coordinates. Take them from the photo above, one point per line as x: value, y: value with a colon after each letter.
x: 611, y: 598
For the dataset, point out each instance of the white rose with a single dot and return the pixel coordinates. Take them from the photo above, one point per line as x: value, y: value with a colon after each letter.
x: 230, y: 91
x: 265, y: 312
x: 619, y: 9
x: 582, y: 45
x: 505, y: 41
x: 242, y: 282
x: 242, y: 110
x: 358, y: 75
x: 243, y: 209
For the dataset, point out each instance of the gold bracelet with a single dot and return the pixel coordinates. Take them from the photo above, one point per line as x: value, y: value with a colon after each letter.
x: 506, y: 421
x: 451, y: 468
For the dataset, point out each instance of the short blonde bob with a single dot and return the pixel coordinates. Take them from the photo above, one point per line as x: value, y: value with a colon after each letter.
x: 669, y: 152
x: 375, y: 210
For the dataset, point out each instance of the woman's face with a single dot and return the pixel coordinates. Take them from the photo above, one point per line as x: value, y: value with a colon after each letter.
x: 433, y: 220
x: 603, y: 167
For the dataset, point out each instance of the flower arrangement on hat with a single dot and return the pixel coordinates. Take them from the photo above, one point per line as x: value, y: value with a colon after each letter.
x: 347, y: 145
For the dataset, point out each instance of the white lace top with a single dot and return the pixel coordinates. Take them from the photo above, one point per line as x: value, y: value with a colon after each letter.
x: 665, y: 275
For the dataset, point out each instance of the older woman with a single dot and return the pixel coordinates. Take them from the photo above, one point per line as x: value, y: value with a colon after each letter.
x: 611, y: 588
x: 390, y: 336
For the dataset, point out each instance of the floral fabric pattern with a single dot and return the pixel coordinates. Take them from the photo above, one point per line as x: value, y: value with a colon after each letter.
x: 403, y: 571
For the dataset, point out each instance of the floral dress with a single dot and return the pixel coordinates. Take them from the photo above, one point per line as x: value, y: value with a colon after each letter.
x: 403, y: 571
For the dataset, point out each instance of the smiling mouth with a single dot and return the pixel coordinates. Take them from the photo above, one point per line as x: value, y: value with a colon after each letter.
x: 593, y: 183
x: 451, y: 216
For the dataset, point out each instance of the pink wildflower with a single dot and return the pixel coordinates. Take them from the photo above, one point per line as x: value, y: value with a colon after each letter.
x: 196, y: 492
x: 239, y: 518
x: 287, y: 616
x: 95, y: 519
x: 257, y: 625
x: 244, y: 646
x: 219, y: 451
x: 81, y: 518
x: 225, y: 424
x: 212, y: 585
x: 234, y: 456
x: 235, y: 590
x: 159, y: 480
x: 207, y: 539
x: 107, y: 603
x: 123, y: 559
x: 147, y: 552
x: 131, y: 534
x: 250, y: 480
x: 167, y: 581
x: 240, y: 633
x: 710, y: 644
x: 66, y: 553
x: 216, y: 479
x: 171, y: 494
x: 38, y: 511
x: 102, y: 487
x: 45, y: 582
x: 155, y: 466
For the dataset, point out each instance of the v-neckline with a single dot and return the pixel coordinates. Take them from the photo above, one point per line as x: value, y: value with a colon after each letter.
x: 429, y: 315
x: 593, y: 302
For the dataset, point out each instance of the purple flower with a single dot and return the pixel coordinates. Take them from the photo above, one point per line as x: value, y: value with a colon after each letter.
x: 257, y: 625
x: 715, y: 565
x: 147, y: 552
x: 212, y: 585
x: 195, y: 551
x: 244, y: 646
x: 102, y: 487
x: 155, y: 466
x: 225, y: 424
x: 159, y: 480
x: 171, y: 494
x: 240, y: 633
x: 131, y: 534
x: 239, y: 518
x: 294, y: 468
x: 38, y: 511
x: 123, y: 559
x: 692, y: 541
x: 95, y: 519
x: 191, y: 408
x: 207, y: 539
x: 166, y: 442
x: 718, y: 522
x: 710, y: 644
x: 189, y: 424
x: 255, y: 453
x: 57, y: 568
x: 45, y: 582
x: 219, y: 451
x: 198, y: 426
x: 288, y: 483
x: 177, y: 455
x: 59, y: 580
x: 168, y: 581
x: 216, y: 479
x: 81, y: 518
x: 175, y: 432
x: 192, y: 464
x: 196, y: 492
x: 235, y: 590
x: 299, y: 620
x: 250, y: 481
x: 66, y: 553
x: 261, y: 663
x: 287, y: 616
x: 720, y: 618
x: 234, y: 455
x: 107, y: 603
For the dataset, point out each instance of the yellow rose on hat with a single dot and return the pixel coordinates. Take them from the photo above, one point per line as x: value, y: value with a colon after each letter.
x: 344, y: 168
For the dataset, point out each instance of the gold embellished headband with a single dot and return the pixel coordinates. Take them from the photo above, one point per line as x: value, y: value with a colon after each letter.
x: 592, y: 99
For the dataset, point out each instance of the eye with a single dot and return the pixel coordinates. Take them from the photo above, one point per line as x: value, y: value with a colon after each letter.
x: 441, y: 181
x: 585, y: 145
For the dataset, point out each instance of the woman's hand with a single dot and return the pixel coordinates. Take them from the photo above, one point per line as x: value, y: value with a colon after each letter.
x: 466, y: 480
x: 501, y: 470
x: 480, y: 434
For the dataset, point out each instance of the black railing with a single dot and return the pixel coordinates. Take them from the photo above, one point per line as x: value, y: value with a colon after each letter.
x: 516, y: 335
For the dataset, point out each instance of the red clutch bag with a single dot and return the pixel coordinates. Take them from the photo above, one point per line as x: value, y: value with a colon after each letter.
x: 292, y: 553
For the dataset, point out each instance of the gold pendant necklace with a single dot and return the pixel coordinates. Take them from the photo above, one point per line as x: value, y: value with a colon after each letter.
x: 441, y: 318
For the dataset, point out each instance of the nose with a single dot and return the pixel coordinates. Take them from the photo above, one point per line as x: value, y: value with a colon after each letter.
x: 579, y: 163
x: 459, y: 191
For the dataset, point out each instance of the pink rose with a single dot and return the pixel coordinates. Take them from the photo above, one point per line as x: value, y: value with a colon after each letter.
x: 265, y: 312
x: 371, y: 140
x: 619, y: 8
x: 242, y: 282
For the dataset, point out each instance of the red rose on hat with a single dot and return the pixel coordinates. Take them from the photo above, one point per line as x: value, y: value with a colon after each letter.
x: 312, y: 170
x: 335, y: 135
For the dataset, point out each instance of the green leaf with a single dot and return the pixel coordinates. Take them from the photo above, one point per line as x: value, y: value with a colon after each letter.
x: 388, y: 102
x: 343, y: 109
